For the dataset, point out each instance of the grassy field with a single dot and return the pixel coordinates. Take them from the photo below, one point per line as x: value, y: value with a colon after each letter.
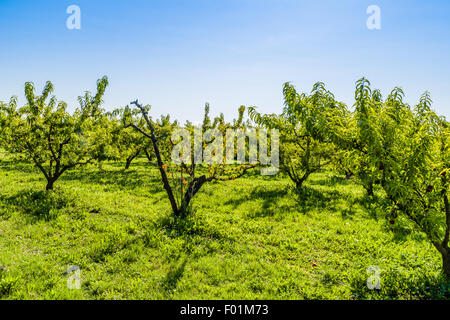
x: 252, y: 238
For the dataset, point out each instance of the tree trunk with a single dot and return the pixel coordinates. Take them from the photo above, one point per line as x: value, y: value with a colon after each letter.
x: 148, y: 155
x: 192, y: 190
x: 128, y: 163
x: 446, y: 263
x: 299, y: 182
x: 130, y: 160
x: 154, y: 140
x: 49, y: 185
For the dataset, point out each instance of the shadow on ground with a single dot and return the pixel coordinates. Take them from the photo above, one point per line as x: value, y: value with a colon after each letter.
x: 125, y: 180
x: 39, y: 205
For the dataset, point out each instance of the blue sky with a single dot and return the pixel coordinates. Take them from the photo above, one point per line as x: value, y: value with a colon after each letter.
x: 178, y: 54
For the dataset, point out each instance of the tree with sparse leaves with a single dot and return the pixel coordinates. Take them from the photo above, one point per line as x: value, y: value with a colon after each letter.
x: 183, y: 180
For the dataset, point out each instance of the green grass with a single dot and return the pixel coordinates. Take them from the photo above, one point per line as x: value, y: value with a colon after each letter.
x: 252, y: 238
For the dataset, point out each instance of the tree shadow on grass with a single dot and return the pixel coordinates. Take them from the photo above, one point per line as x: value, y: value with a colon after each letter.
x: 306, y: 199
x: 373, y: 205
x: 402, y: 230
x: 174, y: 275
x: 129, y: 180
x: 268, y: 195
x: 310, y: 199
x: 189, y: 227
x: 198, y: 239
x: 398, y: 285
x: 17, y: 166
x: 332, y: 181
x: 137, y: 163
x: 39, y: 205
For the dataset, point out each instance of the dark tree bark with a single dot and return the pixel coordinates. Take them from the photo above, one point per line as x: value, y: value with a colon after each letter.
x: 299, y: 184
x: 299, y: 180
x: 128, y: 163
x: 49, y: 186
x: 148, y: 155
x: 130, y: 160
x: 154, y: 140
x: 192, y: 190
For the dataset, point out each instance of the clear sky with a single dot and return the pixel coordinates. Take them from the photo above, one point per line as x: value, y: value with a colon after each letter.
x: 178, y: 54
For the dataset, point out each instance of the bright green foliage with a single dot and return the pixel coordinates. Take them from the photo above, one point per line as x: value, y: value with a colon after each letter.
x: 348, y: 132
x: 409, y: 149
x: 51, y: 138
x: 164, y: 128
x: 305, y: 146
x: 345, y: 162
x: 2, y: 124
x: 127, y: 144
x: 182, y: 181
x: 278, y: 243
x: 367, y: 107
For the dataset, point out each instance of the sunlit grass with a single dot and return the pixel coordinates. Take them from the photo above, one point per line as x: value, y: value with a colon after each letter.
x: 252, y: 238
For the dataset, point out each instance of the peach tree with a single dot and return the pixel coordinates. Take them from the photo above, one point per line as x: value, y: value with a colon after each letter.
x: 127, y: 144
x: 347, y: 131
x: 50, y: 137
x: 183, y: 177
x: 305, y: 147
x: 410, y: 156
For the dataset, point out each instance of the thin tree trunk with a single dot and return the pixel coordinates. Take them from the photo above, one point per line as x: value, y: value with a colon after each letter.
x: 154, y: 140
x: 128, y: 163
x: 299, y: 182
x: 191, y: 191
x: 148, y: 155
x: 130, y: 160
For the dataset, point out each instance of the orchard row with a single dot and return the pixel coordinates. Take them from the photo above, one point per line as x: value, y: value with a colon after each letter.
x: 380, y: 142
